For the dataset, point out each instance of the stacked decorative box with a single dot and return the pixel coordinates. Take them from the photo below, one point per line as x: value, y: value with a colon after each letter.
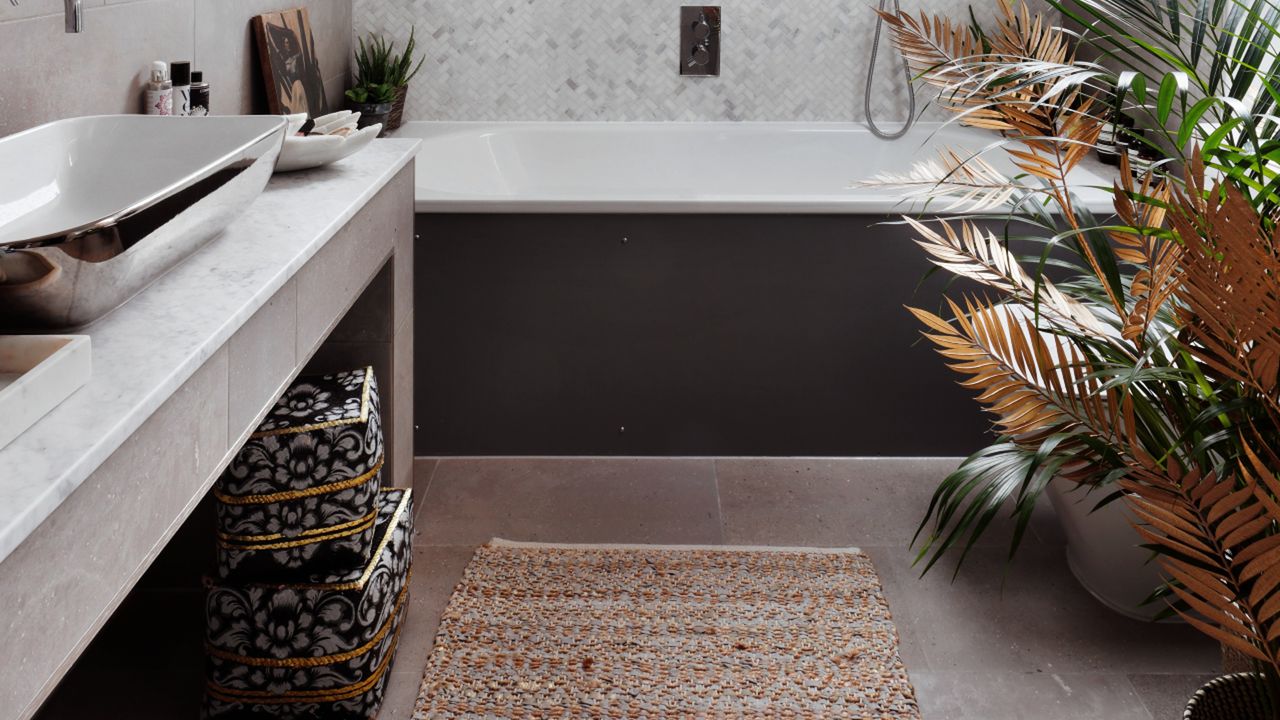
x: 313, y: 561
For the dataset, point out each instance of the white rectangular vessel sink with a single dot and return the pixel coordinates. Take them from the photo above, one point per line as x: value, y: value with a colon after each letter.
x: 104, y: 205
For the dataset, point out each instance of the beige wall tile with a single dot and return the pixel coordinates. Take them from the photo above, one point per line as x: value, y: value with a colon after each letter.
x: 169, y: 461
x: 401, y: 407
x: 49, y: 74
x: 369, y: 320
x: 37, y: 8
x: 402, y: 429
x: 332, y: 280
x: 225, y: 48
x: 404, y: 270
x: 262, y: 357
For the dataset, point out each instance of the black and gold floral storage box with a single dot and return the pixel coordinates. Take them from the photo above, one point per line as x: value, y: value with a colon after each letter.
x: 299, y: 497
x: 320, y: 650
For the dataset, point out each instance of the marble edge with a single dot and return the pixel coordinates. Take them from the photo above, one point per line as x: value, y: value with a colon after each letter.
x: 17, y: 524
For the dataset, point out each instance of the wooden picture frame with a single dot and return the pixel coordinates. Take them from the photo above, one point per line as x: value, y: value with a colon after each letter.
x: 290, y: 68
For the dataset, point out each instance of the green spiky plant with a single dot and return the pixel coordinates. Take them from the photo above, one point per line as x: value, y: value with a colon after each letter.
x: 379, y: 67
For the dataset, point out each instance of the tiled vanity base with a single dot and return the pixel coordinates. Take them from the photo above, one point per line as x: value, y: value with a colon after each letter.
x: 349, y: 303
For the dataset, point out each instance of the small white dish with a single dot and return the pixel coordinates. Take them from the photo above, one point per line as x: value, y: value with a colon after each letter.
x: 334, y: 123
x: 323, y: 146
x: 37, y: 372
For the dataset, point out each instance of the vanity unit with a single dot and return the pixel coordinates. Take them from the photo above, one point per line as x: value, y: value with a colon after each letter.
x: 317, y: 274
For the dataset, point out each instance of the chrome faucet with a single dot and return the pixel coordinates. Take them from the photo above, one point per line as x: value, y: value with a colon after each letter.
x: 75, y: 15
x: 74, y: 11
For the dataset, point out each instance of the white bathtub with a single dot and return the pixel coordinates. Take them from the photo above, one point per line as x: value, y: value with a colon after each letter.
x: 585, y: 167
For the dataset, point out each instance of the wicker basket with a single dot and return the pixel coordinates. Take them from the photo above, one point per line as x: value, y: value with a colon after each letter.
x: 1230, y: 697
x: 397, y: 108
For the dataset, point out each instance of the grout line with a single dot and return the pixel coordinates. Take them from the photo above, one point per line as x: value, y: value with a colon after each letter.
x: 430, y: 479
x: 1142, y: 703
x: 715, y: 480
x: 197, y: 63
x: 420, y: 503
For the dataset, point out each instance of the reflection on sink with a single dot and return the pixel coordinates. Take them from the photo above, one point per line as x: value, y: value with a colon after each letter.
x: 107, y: 204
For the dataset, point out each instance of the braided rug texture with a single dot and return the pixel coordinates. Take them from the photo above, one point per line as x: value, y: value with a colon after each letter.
x: 562, y: 631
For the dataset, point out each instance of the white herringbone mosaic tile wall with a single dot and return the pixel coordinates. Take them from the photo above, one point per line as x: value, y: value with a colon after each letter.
x: 617, y: 59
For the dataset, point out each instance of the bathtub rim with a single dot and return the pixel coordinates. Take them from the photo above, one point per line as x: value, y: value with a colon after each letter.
x: 1097, y: 197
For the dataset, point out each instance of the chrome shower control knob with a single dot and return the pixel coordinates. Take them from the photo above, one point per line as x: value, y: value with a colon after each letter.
x: 700, y: 40
x: 699, y: 55
x: 701, y: 29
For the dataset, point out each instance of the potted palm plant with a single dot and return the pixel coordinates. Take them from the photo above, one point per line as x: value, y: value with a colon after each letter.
x: 1149, y: 370
x: 1023, y: 80
x: 384, y: 74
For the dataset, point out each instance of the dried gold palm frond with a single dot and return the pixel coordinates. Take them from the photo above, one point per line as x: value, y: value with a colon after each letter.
x: 935, y: 48
x: 1157, y: 257
x: 969, y: 182
x: 1021, y: 35
x: 1055, y: 136
x: 1218, y: 544
x: 980, y: 256
x: 988, y: 88
x: 1231, y: 286
x: 1033, y: 382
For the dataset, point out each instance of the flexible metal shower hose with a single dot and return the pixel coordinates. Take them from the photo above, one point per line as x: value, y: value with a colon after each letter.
x: 871, y: 74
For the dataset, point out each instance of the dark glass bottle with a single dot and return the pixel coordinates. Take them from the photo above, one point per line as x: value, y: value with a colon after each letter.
x: 199, y: 94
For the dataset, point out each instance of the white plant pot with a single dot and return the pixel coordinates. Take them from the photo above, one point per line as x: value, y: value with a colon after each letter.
x: 1103, y: 551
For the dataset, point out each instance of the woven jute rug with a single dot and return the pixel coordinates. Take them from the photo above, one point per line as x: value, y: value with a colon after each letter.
x: 589, y: 631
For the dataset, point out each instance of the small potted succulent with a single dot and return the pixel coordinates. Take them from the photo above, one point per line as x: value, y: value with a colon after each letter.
x: 373, y: 102
x: 384, y: 74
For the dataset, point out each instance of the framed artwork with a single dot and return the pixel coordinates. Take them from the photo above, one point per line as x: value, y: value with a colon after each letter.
x: 290, y: 69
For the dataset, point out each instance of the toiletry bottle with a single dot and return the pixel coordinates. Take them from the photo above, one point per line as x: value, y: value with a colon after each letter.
x: 199, y: 94
x: 159, y: 90
x: 180, y: 74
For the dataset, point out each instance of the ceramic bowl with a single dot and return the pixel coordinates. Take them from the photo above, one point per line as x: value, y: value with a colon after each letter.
x: 333, y: 137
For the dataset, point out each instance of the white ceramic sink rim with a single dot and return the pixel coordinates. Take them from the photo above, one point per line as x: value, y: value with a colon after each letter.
x: 86, y: 173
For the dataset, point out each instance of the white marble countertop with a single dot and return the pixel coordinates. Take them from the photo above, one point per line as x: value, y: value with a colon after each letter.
x: 144, y: 351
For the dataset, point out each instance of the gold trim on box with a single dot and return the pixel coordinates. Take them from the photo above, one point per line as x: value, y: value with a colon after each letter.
x: 296, y: 662
x: 364, y: 415
x: 326, y: 489
x: 359, y: 583
x: 335, y: 534
x: 230, y: 538
x: 377, y: 552
x: 345, y: 692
